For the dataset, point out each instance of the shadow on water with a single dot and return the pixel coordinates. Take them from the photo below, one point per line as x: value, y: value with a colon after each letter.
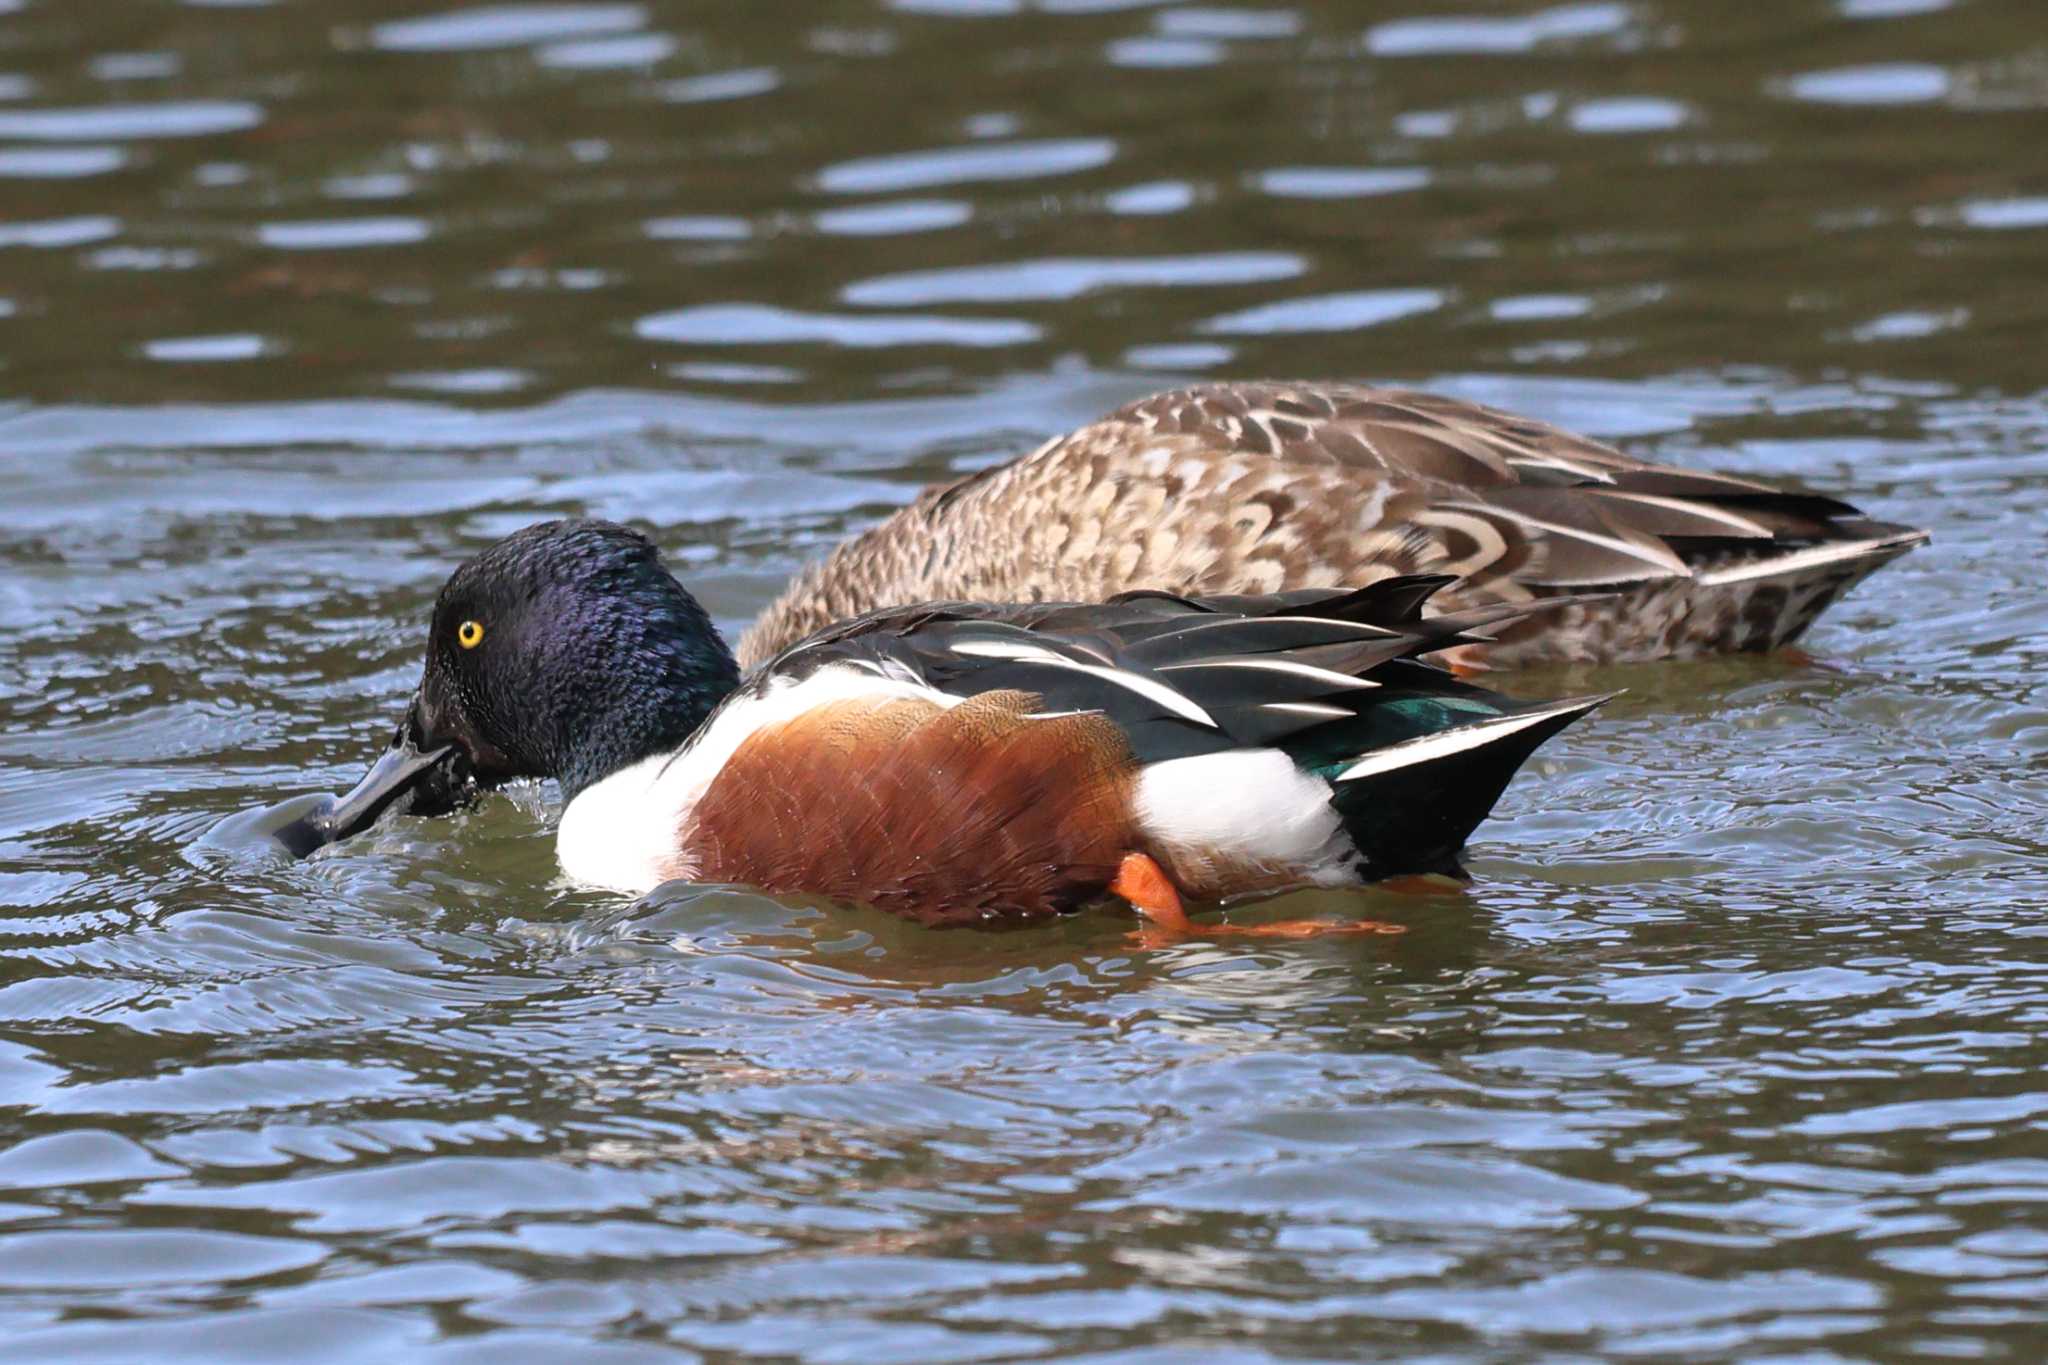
x: 1733, y: 1049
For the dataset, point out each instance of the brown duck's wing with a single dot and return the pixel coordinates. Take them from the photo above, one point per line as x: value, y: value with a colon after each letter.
x: 1257, y: 487
x: 1570, y: 511
x: 1423, y: 436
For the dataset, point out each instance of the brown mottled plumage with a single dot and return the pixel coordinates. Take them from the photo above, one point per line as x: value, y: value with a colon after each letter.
x: 984, y: 812
x: 1263, y: 487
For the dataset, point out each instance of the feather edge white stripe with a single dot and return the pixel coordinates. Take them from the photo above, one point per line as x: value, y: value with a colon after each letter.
x: 1477, y: 735
x: 1296, y: 619
x: 1647, y: 554
x: 1819, y: 556
x: 1308, y: 708
x: 1741, y: 525
x: 1156, y: 692
x: 1284, y: 666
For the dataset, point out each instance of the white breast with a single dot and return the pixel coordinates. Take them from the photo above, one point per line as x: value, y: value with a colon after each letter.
x: 626, y: 832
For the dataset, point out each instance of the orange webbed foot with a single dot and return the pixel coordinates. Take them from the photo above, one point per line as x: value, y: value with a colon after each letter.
x: 1157, y: 935
x: 1306, y: 928
x: 1465, y: 661
x: 1144, y: 883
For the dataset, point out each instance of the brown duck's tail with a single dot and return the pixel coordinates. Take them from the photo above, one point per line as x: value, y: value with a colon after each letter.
x: 1782, y: 592
x: 1858, y: 546
x: 1738, y: 595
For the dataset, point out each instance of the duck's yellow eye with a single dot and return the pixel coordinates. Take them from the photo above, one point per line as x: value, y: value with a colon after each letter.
x: 469, y: 634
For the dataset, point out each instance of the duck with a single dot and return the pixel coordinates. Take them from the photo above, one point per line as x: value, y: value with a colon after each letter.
x: 957, y: 762
x: 1268, y: 486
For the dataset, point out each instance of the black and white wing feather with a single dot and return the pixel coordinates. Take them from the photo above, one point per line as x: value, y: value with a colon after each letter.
x: 1181, y: 676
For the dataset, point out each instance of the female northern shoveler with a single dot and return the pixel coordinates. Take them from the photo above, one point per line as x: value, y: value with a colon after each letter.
x: 1264, y: 487
x: 953, y: 762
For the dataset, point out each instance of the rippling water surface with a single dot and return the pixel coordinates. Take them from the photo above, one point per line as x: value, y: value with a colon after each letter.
x: 1735, y: 1050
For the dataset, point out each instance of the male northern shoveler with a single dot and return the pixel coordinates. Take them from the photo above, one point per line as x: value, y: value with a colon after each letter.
x: 954, y: 762
x: 1265, y: 487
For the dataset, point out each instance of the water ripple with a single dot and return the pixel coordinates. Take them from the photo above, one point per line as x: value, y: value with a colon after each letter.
x: 1069, y: 278
x: 130, y: 122
x: 1467, y: 34
x: 1327, y: 312
x: 59, y: 163
x: 1890, y: 83
x: 966, y: 165
x: 745, y: 324
x: 1341, y: 182
x: 500, y: 26
x: 138, y: 1258
x: 343, y: 233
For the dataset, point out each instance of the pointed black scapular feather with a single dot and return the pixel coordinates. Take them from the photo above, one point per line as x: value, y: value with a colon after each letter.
x: 1310, y: 671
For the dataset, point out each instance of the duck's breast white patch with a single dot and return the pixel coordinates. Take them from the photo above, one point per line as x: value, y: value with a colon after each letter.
x: 621, y: 833
x: 626, y: 832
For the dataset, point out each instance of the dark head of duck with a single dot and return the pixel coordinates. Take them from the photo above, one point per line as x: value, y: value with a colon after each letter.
x: 564, y: 651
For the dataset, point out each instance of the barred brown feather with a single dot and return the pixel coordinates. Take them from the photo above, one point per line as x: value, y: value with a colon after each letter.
x: 1260, y: 487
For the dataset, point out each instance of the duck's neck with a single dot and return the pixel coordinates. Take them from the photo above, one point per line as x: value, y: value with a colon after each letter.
x: 656, y: 689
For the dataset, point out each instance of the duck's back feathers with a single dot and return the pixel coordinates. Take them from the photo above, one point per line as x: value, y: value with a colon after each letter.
x: 959, y: 762
x: 1179, y: 675
x: 1260, y: 487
